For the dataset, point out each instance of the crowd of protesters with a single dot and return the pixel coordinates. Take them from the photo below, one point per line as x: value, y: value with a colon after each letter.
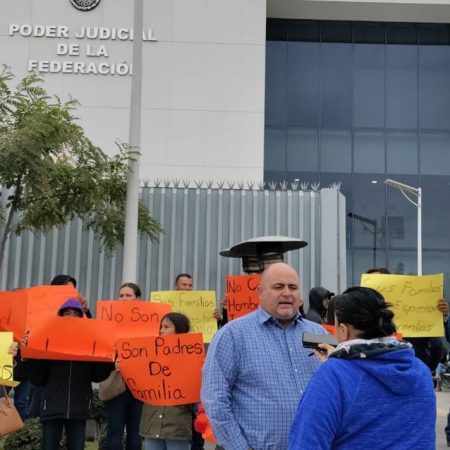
x: 262, y: 389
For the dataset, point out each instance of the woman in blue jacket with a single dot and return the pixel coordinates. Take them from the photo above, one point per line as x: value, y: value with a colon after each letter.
x: 372, y: 392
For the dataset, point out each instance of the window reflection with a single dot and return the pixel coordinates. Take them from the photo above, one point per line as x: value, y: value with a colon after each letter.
x: 357, y: 103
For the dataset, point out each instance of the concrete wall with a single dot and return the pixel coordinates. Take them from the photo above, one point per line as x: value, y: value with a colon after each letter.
x: 203, y: 80
x: 436, y: 11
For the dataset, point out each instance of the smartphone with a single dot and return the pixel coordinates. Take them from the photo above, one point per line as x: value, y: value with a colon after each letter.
x: 312, y: 340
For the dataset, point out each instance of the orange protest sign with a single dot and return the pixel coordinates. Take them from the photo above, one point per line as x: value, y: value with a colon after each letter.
x: 20, y: 308
x: 12, y: 313
x: 163, y: 370
x: 133, y: 318
x: 242, y: 294
x: 70, y: 338
x: 330, y: 328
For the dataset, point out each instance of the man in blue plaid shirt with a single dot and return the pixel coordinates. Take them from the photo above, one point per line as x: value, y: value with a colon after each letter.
x: 256, y: 368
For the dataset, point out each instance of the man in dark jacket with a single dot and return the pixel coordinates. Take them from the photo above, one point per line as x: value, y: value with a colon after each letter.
x: 66, y: 391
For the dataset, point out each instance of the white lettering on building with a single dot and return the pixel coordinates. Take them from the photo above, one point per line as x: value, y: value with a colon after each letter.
x: 76, y: 49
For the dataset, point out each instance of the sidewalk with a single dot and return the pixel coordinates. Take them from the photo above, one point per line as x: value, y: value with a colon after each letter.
x: 443, y: 405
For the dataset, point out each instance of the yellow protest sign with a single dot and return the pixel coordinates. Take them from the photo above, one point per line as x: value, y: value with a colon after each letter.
x: 6, y: 360
x: 197, y: 305
x: 414, y: 301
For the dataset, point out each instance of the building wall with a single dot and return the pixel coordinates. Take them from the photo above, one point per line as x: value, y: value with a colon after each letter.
x: 203, y: 80
x: 436, y: 11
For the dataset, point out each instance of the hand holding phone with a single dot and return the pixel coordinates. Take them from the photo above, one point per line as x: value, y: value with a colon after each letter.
x: 312, y: 340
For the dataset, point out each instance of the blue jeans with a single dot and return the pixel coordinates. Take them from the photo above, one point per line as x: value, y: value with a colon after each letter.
x: 22, y: 398
x: 123, y: 412
x: 165, y: 444
x: 52, y: 431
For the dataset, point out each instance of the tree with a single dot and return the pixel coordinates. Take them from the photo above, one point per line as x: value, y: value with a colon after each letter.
x: 54, y: 173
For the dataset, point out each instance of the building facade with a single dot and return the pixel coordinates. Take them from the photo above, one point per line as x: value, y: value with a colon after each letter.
x: 305, y: 91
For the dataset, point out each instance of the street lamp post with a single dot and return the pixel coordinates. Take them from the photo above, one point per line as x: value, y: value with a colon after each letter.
x: 374, y: 232
x: 131, y: 211
x: 418, y: 193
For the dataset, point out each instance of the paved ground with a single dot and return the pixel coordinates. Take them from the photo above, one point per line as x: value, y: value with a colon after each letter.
x: 443, y: 405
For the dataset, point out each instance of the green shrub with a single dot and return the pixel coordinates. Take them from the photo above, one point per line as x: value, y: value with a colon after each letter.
x: 28, y: 438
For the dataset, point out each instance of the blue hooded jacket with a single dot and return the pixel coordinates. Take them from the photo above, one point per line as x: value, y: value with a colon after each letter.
x: 375, y: 402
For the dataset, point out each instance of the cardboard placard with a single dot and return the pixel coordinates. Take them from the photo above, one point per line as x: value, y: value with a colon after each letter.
x: 242, y: 294
x: 6, y: 360
x: 19, y: 309
x: 414, y: 301
x: 71, y: 338
x: 133, y: 317
x: 163, y: 370
x: 197, y: 305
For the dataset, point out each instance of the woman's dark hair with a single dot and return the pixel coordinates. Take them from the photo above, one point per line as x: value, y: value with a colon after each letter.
x: 366, y: 310
x: 330, y: 311
x: 316, y: 297
x: 61, y: 280
x: 382, y: 270
x: 134, y: 287
x: 181, y: 322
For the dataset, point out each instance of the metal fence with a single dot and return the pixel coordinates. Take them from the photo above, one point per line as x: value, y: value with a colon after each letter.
x: 198, y: 223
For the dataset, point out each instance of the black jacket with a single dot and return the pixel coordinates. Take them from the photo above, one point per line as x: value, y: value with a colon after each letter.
x: 66, y: 386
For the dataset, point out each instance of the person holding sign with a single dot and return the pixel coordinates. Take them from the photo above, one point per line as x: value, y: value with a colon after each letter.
x: 168, y: 427
x: 124, y: 411
x: 67, y: 391
x: 256, y: 367
x: 427, y: 349
x: 12, y: 350
x: 372, y: 392
x: 61, y: 280
x: 184, y: 282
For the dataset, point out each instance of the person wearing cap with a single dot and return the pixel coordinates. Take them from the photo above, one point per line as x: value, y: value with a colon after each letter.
x: 185, y: 282
x: 256, y: 368
x: 319, y: 299
x: 66, y: 391
x: 63, y: 280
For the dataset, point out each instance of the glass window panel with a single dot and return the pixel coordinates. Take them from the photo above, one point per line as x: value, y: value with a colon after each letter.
x: 434, y: 34
x: 368, y: 86
x: 336, y: 31
x: 275, y: 149
x: 305, y: 178
x: 303, y: 149
x: 402, y: 152
x: 368, y: 211
x: 276, y: 68
x: 335, y: 150
x: 304, y: 30
x: 435, y: 153
x: 401, y: 86
x: 401, y: 33
x: 369, y: 151
x: 364, y: 260
x: 435, y: 213
x: 401, y: 219
x: 336, y: 85
x: 436, y: 261
x: 303, y: 84
x: 369, y: 32
x: 434, y: 87
x: 403, y: 261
